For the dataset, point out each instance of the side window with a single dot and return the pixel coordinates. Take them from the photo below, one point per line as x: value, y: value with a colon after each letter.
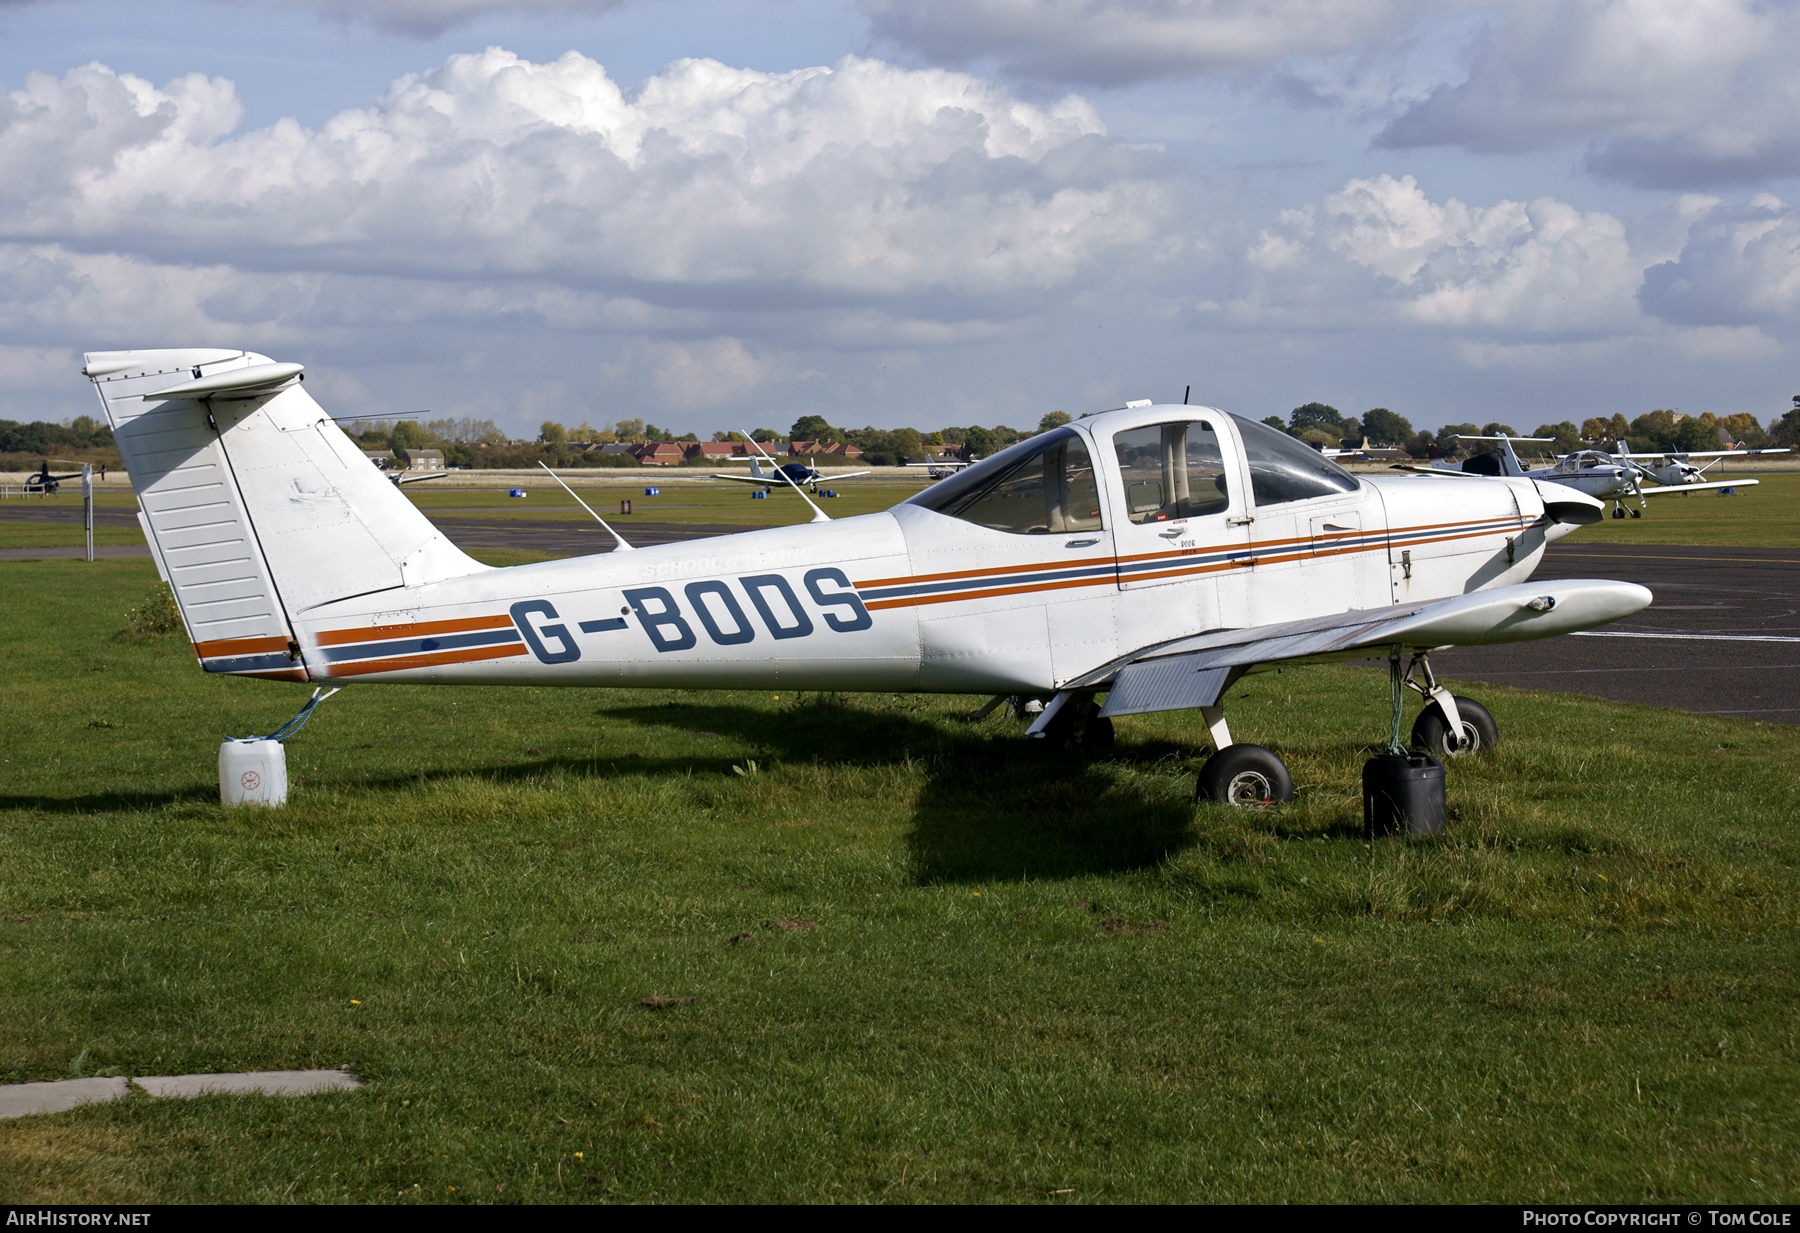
x: 1171, y: 471
x: 1043, y: 485
x: 1283, y: 469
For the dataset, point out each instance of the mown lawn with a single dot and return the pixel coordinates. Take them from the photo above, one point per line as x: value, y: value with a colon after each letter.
x: 927, y: 961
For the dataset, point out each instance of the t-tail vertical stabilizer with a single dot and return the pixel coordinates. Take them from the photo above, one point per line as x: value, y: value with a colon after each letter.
x: 256, y: 504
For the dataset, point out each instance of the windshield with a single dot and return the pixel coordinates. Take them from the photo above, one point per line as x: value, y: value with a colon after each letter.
x: 1044, y: 484
x: 1283, y: 469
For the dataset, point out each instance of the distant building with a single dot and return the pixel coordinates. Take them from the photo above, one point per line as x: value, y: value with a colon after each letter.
x: 804, y: 449
x: 719, y: 449
x: 381, y: 458
x: 421, y: 460
x: 661, y: 454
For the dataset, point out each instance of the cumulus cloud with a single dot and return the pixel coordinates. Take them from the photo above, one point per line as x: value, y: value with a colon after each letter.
x: 1380, y: 249
x: 1119, y: 42
x: 1663, y: 93
x: 1740, y: 266
x: 855, y: 182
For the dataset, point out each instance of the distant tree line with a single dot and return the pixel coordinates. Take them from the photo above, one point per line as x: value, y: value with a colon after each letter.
x: 82, y: 439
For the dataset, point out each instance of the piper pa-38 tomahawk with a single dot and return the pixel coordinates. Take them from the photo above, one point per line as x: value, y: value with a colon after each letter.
x: 1608, y: 477
x: 1152, y: 555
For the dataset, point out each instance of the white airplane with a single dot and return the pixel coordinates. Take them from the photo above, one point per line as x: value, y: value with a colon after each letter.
x: 1607, y: 477
x: 935, y: 471
x: 1673, y: 469
x: 785, y: 475
x: 1151, y: 555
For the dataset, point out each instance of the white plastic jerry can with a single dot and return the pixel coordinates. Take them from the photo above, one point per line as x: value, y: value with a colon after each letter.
x: 253, y: 773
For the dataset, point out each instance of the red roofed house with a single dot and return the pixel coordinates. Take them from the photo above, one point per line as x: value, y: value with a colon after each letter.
x: 662, y: 453
x: 719, y: 449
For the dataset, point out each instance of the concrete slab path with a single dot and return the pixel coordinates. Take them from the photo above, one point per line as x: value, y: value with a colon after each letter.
x: 268, y: 1082
x: 24, y: 1099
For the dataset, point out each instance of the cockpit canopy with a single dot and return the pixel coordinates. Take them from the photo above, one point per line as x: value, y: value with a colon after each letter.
x: 1172, y: 470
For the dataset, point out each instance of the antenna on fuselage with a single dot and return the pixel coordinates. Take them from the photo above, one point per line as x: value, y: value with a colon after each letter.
x: 1184, y: 395
x: 819, y: 514
x: 617, y: 538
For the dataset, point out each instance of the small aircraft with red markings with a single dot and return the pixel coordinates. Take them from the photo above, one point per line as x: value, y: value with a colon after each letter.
x: 1137, y: 560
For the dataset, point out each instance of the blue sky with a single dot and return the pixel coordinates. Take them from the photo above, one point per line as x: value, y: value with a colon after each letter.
x: 718, y: 215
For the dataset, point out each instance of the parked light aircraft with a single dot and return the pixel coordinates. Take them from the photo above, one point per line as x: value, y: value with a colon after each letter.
x: 786, y: 475
x: 1607, y: 477
x: 1677, y: 468
x: 1151, y: 555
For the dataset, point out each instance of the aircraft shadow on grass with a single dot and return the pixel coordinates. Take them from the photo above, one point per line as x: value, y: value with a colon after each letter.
x: 995, y: 805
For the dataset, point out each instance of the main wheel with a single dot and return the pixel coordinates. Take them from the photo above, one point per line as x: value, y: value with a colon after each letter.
x: 1637, y: 513
x: 1618, y: 513
x: 1245, y: 776
x: 1480, y: 734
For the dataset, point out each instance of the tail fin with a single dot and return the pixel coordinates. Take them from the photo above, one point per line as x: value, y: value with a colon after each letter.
x: 756, y: 471
x: 257, y: 506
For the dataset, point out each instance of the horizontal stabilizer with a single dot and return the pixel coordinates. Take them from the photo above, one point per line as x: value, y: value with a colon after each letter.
x: 257, y: 378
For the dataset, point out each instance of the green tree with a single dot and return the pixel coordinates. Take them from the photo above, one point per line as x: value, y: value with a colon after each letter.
x: 978, y: 442
x: 1655, y: 430
x: 1056, y: 419
x: 727, y: 437
x: 1565, y: 437
x: 406, y: 435
x: 814, y: 428
x: 1275, y: 422
x: 1446, y: 436
x: 1383, y: 427
x: 1603, y: 432
x: 653, y: 433
x: 1316, y: 415
x: 552, y: 433
x: 1496, y: 429
x: 629, y: 430
x: 1786, y: 429
x: 764, y: 435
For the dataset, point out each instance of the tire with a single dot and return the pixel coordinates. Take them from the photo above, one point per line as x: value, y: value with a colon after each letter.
x: 1245, y: 776
x: 1481, y: 735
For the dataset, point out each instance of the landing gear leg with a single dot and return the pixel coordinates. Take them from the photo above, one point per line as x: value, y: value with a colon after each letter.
x: 1449, y: 726
x: 1618, y: 510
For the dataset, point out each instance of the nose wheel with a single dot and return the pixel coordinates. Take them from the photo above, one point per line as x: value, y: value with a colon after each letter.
x: 1480, y: 734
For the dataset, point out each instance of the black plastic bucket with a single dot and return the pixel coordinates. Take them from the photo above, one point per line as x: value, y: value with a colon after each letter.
x: 1403, y: 794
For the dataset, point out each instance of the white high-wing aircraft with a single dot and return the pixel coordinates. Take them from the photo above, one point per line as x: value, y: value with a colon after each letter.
x: 787, y: 475
x: 1152, y: 555
x: 1677, y: 468
x: 1608, y: 477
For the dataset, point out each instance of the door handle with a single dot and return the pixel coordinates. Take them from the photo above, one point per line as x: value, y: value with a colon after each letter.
x: 1081, y: 543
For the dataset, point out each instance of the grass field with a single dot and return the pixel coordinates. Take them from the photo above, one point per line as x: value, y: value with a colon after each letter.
x: 927, y: 962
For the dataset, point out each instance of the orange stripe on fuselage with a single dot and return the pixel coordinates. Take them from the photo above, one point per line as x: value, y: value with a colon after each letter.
x: 239, y: 646
x: 417, y: 629
x: 400, y: 663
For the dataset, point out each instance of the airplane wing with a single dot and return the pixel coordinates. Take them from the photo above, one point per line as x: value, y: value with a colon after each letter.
x: 1655, y: 490
x: 1706, y: 453
x: 1194, y: 671
x: 776, y: 481
x: 414, y: 479
x: 950, y: 466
